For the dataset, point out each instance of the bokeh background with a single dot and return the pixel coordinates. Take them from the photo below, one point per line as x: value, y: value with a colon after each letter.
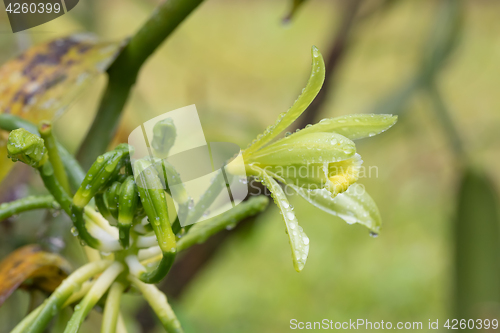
x: 242, y: 66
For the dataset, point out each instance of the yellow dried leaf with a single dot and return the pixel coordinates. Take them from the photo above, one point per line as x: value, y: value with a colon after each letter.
x: 44, y: 270
x: 42, y: 82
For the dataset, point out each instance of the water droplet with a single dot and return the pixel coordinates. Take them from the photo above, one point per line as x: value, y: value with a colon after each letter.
x: 74, y: 231
x: 290, y: 216
x: 373, y: 234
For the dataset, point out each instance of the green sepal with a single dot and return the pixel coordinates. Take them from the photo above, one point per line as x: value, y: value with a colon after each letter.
x: 27, y: 148
x: 353, y: 206
x: 354, y: 126
x: 312, y: 89
x: 299, y: 242
x: 305, y: 149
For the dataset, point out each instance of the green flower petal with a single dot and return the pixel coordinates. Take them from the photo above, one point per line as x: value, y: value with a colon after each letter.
x: 355, y: 126
x: 287, y: 118
x: 299, y: 242
x: 305, y: 149
x: 353, y: 205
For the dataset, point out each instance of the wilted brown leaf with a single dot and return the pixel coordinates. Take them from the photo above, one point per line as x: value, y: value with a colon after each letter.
x: 34, y: 267
x: 42, y: 82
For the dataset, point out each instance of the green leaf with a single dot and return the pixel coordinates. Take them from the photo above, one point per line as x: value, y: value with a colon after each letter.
x: 299, y: 242
x: 353, y: 205
x: 477, y: 247
x: 354, y: 126
x: 305, y: 149
x: 312, y: 89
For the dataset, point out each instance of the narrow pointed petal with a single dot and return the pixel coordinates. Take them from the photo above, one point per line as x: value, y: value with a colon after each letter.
x: 353, y: 205
x: 355, y: 126
x: 299, y: 242
x: 287, y: 118
x: 306, y: 149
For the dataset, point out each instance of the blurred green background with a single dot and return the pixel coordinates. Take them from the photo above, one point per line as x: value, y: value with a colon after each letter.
x: 242, y: 66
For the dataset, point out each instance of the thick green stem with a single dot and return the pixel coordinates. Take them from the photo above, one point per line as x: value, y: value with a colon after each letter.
x: 159, y: 304
x: 9, y: 209
x: 70, y: 285
x: 54, y: 158
x: 95, y: 293
x: 123, y: 73
x: 112, y: 308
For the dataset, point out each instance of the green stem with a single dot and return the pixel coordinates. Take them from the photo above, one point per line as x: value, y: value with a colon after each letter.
x: 95, y: 293
x: 54, y: 158
x: 203, y: 230
x: 159, y: 304
x: 123, y: 73
x: 9, y: 209
x: 112, y: 308
x: 70, y: 285
x: 51, y: 183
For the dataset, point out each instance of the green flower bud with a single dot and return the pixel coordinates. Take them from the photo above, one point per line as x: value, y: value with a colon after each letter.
x: 112, y: 197
x: 154, y: 203
x: 27, y: 148
x: 127, y: 209
x: 164, y: 134
x: 105, y: 168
